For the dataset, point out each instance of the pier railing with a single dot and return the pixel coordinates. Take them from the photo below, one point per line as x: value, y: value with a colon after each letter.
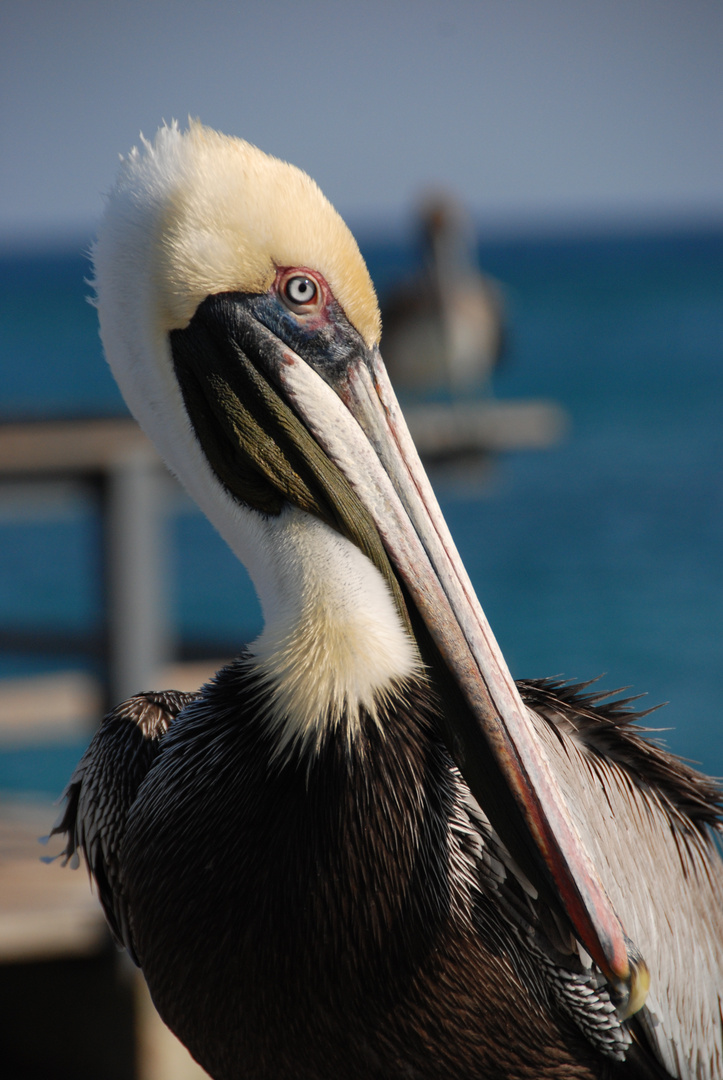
x: 70, y: 1003
x: 120, y: 470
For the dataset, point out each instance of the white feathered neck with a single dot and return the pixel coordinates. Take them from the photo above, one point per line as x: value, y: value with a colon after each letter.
x: 196, y: 213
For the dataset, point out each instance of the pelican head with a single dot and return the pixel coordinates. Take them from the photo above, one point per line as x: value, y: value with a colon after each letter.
x: 241, y: 324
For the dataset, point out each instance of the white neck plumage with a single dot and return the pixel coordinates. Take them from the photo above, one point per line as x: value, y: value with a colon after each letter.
x: 333, y: 642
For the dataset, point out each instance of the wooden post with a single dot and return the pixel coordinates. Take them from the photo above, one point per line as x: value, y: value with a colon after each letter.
x: 138, y: 631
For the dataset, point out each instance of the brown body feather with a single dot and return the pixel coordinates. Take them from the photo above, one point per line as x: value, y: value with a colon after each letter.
x: 354, y: 920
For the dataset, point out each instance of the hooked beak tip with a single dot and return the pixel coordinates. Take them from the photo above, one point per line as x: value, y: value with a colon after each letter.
x: 633, y: 992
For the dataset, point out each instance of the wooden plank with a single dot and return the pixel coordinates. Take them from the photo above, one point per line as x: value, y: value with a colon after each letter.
x: 67, y: 704
x: 77, y: 446
x: 46, y: 910
x: 485, y: 426
x: 49, y: 707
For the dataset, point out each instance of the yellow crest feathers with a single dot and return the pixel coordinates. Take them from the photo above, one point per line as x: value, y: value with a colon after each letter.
x: 225, y: 215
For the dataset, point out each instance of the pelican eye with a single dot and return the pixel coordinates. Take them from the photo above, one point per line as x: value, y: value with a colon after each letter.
x: 300, y: 293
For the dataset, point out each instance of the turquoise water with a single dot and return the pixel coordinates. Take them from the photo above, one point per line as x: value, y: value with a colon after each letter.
x: 601, y: 556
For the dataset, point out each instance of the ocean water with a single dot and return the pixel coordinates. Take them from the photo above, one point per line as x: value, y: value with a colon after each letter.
x: 600, y: 557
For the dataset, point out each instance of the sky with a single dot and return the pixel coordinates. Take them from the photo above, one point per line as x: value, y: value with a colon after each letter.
x: 531, y: 111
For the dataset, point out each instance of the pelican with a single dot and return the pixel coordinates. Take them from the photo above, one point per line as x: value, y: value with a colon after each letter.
x: 361, y: 850
x: 445, y: 326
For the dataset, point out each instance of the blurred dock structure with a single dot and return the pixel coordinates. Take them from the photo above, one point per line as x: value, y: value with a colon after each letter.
x: 72, y: 1006
x: 117, y: 467
x: 444, y: 334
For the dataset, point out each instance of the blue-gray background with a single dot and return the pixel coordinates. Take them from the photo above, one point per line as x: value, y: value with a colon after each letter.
x: 528, y: 109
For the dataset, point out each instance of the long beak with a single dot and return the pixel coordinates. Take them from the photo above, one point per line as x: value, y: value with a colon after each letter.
x: 354, y: 433
x: 378, y: 458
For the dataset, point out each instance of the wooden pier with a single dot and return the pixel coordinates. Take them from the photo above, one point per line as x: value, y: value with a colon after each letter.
x: 119, y: 469
x: 73, y: 1007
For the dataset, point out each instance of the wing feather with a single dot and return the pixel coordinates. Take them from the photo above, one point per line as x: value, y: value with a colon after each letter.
x: 102, y: 789
x: 652, y: 827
